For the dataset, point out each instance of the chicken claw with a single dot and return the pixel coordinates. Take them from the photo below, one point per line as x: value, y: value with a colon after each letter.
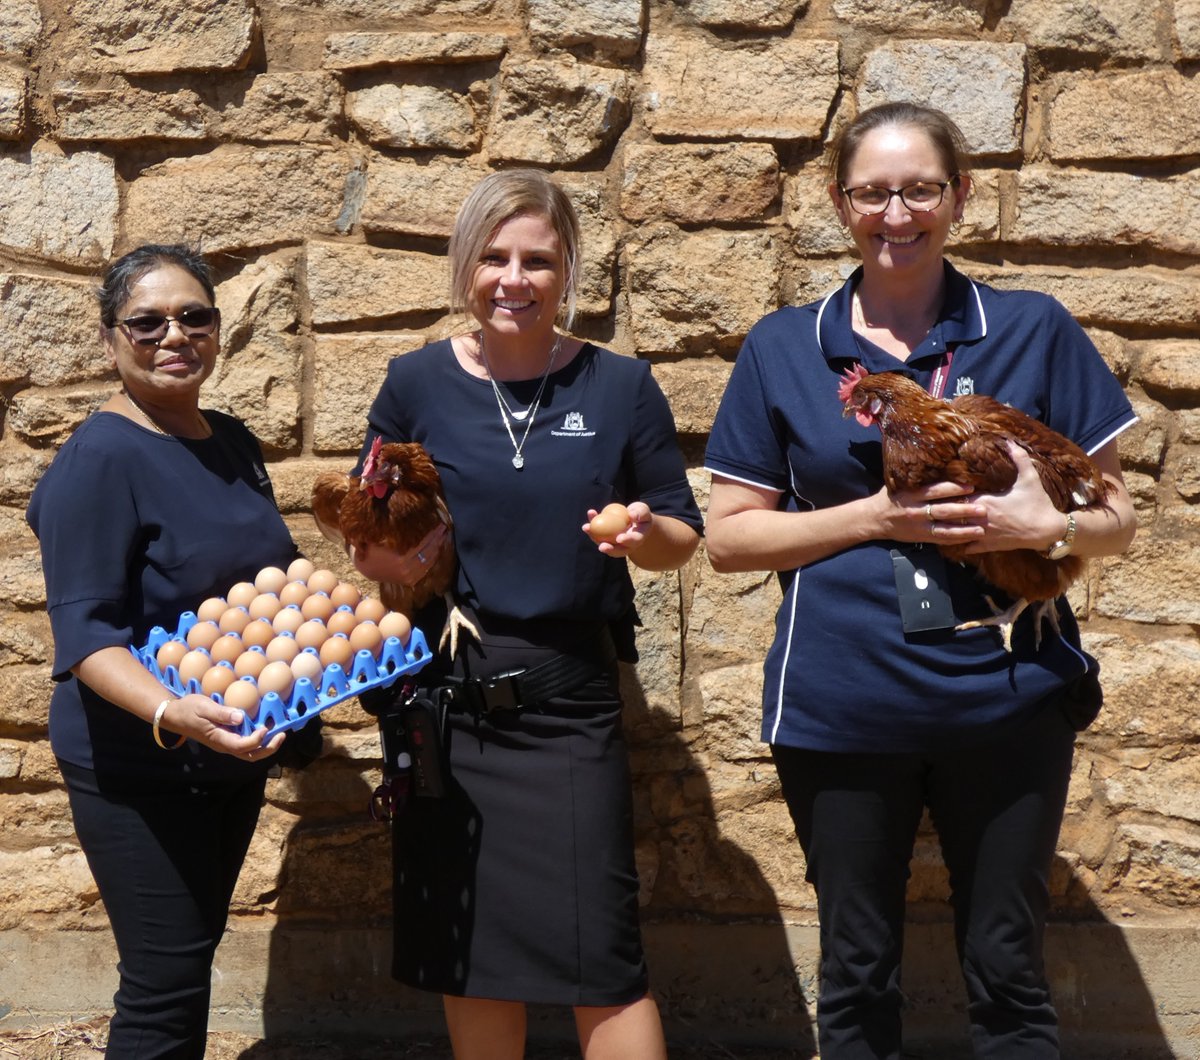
x: 455, y: 621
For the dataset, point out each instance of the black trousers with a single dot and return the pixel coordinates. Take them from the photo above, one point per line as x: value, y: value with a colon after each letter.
x: 997, y: 808
x: 165, y: 862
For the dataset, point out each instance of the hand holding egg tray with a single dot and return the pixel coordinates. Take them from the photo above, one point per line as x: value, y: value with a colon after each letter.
x: 363, y: 656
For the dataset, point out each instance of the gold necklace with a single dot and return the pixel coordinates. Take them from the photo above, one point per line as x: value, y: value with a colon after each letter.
x: 201, y: 422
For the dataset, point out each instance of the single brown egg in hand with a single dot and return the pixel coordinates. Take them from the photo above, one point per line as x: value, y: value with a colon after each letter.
x: 203, y: 635
x: 276, y: 677
x: 270, y: 580
x: 611, y: 520
x: 242, y: 695
x: 300, y: 569
x: 217, y: 680
x: 170, y: 653
x: 212, y: 609
x: 394, y: 624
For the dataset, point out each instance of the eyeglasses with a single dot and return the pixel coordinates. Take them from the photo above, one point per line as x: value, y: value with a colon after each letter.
x: 921, y: 197
x: 152, y: 328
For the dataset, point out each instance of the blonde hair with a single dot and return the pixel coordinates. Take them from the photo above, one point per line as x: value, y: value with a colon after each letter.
x: 500, y: 197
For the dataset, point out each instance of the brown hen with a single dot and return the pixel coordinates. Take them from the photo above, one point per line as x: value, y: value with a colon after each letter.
x: 394, y: 503
x: 928, y: 440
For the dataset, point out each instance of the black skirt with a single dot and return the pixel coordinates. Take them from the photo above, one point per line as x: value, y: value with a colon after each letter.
x: 520, y: 884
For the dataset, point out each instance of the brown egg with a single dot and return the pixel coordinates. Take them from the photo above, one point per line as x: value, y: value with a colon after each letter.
x: 227, y: 649
x: 288, y: 620
x: 270, y: 580
x: 264, y: 605
x: 341, y: 622
x: 394, y: 624
x: 217, y: 680
x: 241, y: 594
x: 611, y: 520
x: 234, y: 620
x: 170, y: 653
x: 276, y: 677
x: 366, y: 637
x: 312, y: 634
x: 299, y: 569
x: 242, y: 695
x: 317, y: 606
x: 308, y: 664
x: 258, y: 634
x: 345, y: 595
x: 322, y: 581
x: 203, y: 635
x: 337, y: 650
x: 212, y: 609
x: 370, y: 610
x: 282, y: 649
x: 194, y: 665
x: 250, y: 664
x: 293, y: 593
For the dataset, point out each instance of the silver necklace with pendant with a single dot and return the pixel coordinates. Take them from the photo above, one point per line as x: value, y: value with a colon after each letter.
x: 518, y: 461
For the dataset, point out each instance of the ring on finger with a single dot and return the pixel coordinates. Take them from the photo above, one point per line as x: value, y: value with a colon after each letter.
x: 929, y: 512
x: 421, y: 558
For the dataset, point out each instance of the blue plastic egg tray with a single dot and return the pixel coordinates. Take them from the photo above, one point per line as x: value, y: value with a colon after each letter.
x: 307, y: 698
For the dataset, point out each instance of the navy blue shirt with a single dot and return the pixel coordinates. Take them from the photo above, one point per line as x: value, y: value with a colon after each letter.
x: 135, y: 528
x: 603, y: 433
x: 841, y: 675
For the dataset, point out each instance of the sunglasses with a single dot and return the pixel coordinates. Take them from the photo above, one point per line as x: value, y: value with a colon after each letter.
x: 151, y: 328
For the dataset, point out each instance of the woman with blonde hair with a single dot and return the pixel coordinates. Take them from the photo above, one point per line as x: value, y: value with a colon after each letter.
x: 519, y: 884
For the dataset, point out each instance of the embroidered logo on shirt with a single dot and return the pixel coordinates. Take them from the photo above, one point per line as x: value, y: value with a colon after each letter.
x: 963, y: 386
x: 573, y: 427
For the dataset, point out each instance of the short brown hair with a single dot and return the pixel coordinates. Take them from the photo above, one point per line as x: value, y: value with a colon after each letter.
x: 500, y: 197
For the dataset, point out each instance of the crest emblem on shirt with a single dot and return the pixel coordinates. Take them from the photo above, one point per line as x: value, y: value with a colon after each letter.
x: 963, y: 386
x: 573, y: 421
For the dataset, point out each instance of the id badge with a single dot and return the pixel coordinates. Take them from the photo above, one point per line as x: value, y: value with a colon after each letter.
x: 921, y: 586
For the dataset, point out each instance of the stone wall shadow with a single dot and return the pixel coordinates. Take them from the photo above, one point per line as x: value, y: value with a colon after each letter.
x: 721, y: 961
x: 329, y: 958
x: 1105, y: 1006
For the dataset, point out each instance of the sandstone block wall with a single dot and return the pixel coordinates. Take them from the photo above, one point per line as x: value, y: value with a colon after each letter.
x: 319, y: 148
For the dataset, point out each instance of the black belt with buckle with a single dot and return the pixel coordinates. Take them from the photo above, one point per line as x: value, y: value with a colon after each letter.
x: 514, y: 689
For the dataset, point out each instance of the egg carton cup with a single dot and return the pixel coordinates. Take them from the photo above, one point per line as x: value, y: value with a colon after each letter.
x: 307, y: 698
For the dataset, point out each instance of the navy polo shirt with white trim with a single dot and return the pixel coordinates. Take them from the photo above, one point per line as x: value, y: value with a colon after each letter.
x: 841, y: 674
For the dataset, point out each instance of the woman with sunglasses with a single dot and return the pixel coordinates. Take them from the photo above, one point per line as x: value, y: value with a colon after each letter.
x: 150, y: 507
x: 914, y: 717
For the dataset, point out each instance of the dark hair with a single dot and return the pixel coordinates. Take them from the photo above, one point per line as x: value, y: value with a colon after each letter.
x: 943, y: 133
x: 118, y: 277
x: 498, y: 198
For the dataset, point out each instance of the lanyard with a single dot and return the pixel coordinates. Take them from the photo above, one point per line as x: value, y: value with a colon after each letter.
x: 937, y: 385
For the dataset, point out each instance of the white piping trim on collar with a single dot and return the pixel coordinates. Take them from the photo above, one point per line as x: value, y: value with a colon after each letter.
x: 820, y: 314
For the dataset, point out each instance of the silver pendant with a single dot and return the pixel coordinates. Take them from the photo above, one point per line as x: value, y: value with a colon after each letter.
x: 518, y: 461
x: 520, y: 416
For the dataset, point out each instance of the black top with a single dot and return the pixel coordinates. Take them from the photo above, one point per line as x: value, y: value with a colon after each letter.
x: 136, y: 527
x: 602, y: 433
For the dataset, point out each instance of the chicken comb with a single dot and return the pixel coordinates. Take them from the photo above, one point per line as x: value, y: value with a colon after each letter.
x: 378, y: 476
x: 851, y: 377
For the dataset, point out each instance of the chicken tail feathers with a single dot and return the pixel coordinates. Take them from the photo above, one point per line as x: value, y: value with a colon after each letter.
x: 329, y: 490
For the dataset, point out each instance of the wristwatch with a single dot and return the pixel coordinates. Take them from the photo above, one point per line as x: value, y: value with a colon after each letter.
x: 1061, y: 548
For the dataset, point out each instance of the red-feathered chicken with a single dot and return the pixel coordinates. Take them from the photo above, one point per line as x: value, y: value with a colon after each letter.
x: 394, y: 504
x: 928, y: 440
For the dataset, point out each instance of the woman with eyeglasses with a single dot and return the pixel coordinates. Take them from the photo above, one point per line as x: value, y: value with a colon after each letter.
x: 874, y: 712
x: 151, y: 506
